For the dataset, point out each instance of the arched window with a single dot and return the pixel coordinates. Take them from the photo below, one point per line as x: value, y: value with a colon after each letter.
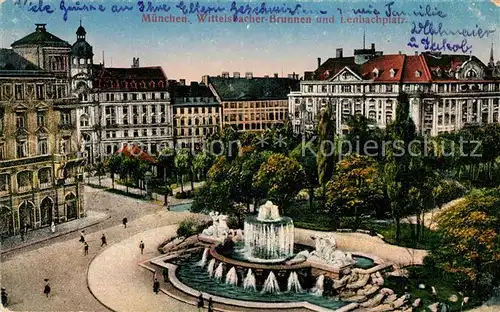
x: 152, y: 84
x: 471, y: 74
x: 82, y: 61
x: 133, y: 85
x: 143, y: 85
x: 160, y: 84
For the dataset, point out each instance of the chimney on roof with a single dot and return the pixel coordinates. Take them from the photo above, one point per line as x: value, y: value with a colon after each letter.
x: 339, y: 53
x: 225, y: 74
x: 416, y: 52
x: 135, y: 62
x: 373, y: 46
x: 275, y: 75
x: 236, y: 74
x: 319, y: 62
x: 40, y: 27
x: 182, y: 82
x: 399, y: 52
x: 248, y: 75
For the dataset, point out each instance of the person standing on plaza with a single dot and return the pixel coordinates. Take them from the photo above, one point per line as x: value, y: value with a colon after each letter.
x: 53, y: 227
x: 46, y: 289
x: 141, y: 246
x: 5, y: 297
x: 156, y: 286
x: 82, y: 236
x: 85, y: 248
x: 103, y: 240
x: 165, y: 275
x: 200, y: 303
x: 125, y: 222
x: 210, y: 305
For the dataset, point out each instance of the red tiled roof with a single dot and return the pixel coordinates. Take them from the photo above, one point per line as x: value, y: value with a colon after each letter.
x: 125, y: 78
x: 414, y: 64
x: 132, y: 150
x: 384, y: 64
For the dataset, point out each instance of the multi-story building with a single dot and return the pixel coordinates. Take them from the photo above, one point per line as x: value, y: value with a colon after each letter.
x: 130, y: 105
x: 445, y: 91
x: 250, y: 103
x: 197, y: 114
x: 40, y: 168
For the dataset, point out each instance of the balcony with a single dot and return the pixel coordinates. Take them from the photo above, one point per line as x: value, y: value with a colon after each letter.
x: 45, y: 185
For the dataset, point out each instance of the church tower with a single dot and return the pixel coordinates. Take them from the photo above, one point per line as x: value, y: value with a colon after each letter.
x: 82, y: 59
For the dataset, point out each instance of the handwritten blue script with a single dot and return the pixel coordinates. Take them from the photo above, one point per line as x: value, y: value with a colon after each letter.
x: 428, y: 28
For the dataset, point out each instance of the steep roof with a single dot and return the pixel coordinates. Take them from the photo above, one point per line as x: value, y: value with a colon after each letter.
x: 41, y: 37
x: 193, y: 90
x: 384, y: 64
x: 113, y: 78
x: 333, y: 66
x: 443, y: 66
x: 241, y: 89
x: 416, y: 69
x: 10, y: 60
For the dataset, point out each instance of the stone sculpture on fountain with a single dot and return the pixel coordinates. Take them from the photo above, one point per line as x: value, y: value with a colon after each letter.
x: 219, y: 228
x: 326, y: 251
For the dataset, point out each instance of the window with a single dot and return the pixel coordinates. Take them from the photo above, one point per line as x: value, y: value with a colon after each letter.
x: 2, y: 151
x: 22, y: 149
x: 372, y: 88
x: 40, y: 94
x: 60, y: 91
x: 134, y: 96
x: 112, y: 97
x: 43, y: 147
x: 144, y: 132
x: 346, y: 89
x: 40, y: 119
x: 144, y: 96
x: 375, y: 73
x: 21, y: 120
x: 417, y: 74
x: 136, y: 133
x: 125, y: 96
x: 392, y: 73
x: 359, y: 88
x: 153, y: 96
x: 388, y: 88
x: 162, y: 96
x: 19, y: 92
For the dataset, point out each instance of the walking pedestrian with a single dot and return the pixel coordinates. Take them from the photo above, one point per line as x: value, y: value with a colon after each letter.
x: 53, y: 227
x: 46, y: 289
x: 156, y: 286
x: 21, y: 232
x: 5, y: 297
x: 86, y: 248
x: 82, y: 236
x: 210, y: 305
x: 103, y: 240
x: 141, y: 246
x: 200, y: 303
x: 125, y: 222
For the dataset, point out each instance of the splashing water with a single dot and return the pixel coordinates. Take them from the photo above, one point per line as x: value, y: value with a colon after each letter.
x: 271, y: 284
x: 203, y: 260
x: 317, y: 290
x: 249, y: 282
x: 218, y: 272
x: 232, y: 277
x: 294, y: 283
x: 211, y: 267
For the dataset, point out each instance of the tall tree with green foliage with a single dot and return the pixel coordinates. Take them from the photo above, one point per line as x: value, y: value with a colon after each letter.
x: 166, y: 163
x: 100, y: 170
x: 326, y: 149
x: 305, y: 153
x: 398, y: 173
x: 181, y: 161
x: 280, y: 178
x: 113, y: 165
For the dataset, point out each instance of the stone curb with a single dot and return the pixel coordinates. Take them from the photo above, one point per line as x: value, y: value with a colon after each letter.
x: 59, y: 234
x: 87, y: 281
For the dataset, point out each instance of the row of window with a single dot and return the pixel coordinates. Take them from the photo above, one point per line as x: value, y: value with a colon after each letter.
x: 137, y: 133
x: 41, y: 119
x: 389, y: 88
x: 25, y: 179
x: 22, y: 91
x: 132, y: 84
x: 260, y: 104
x: 118, y: 97
x: 22, y: 148
x: 256, y: 116
x: 195, y: 131
x: 195, y: 110
x: 197, y: 121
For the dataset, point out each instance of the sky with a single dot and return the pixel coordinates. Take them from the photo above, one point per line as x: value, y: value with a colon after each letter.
x: 191, y: 50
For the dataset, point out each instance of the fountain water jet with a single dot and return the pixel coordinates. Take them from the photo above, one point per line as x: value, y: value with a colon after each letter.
x: 218, y: 272
x: 268, y: 237
x: 249, y: 282
x: 203, y: 260
x: 211, y: 267
x: 232, y: 277
x: 270, y: 285
x: 318, y: 289
x: 294, y: 283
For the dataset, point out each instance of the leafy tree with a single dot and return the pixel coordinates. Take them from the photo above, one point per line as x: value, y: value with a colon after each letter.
x: 128, y: 166
x: 326, y: 149
x: 88, y: 169
x: 280, y: 178
x: 100, y: 170
x: 166, y: 163
x: 305, y: 154
x: 181, y: 161
x: 113, y: 165
x: 202, y: 163
x: 364, y: 137
x: 355, y: 188
x: 398, y: 174
x: 471, y: 239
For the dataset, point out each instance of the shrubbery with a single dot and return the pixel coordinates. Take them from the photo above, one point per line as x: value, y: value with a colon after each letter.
x: 192, y: 226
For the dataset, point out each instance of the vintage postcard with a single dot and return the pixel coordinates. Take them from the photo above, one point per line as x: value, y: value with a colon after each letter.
x: 252, y: 155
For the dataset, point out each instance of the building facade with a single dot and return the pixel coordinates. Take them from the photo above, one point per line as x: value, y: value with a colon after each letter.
x: 196, y: 113
x: 40, y: 165
x: 445, y: 92
x: 127, y: 105
x: 250, y: 103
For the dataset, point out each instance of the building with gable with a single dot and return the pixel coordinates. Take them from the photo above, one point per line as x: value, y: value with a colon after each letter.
x: 40, y: 164
x: 445, y: 91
